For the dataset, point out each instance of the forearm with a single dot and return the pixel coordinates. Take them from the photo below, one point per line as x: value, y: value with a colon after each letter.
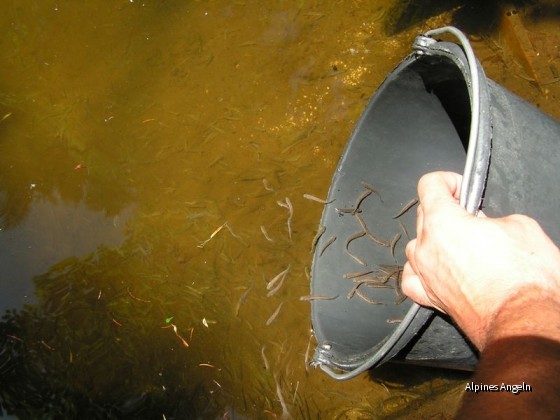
x: 523, y: 348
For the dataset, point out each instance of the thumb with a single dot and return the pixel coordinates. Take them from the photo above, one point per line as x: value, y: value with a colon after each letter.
x: 413, y: 287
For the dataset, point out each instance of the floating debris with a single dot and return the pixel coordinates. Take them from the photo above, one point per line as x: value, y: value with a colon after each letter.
x: 202, y: 244
x: 225, y: 225
x: 183, y: 341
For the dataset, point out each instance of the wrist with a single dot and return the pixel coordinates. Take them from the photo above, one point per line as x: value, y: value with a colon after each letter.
x: 532, y: 312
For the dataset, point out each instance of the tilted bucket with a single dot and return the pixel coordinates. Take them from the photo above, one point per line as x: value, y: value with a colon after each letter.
x: 435, y: 111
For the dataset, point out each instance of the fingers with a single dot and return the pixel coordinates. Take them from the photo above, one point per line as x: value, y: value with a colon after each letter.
x: 413, y: 287
x: 411, y: 283
x: 419, y: 221
x: 437, y: 188
x: 438, y: 194
x: 409, y: 252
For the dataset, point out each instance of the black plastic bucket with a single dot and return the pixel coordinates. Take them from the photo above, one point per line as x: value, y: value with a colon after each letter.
x: 435, y: 111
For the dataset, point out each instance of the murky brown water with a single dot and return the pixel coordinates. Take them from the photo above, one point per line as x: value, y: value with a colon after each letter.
x: 134, y: 131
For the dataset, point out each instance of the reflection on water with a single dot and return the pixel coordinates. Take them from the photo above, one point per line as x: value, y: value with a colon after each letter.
x: 206, y: 119
x: 51, y: 232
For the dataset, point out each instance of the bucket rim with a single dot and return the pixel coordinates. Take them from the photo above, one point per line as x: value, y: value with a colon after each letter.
x: 471, y: 193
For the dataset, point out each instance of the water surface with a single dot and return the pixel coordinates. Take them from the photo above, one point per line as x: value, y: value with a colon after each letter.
x: 143, y: 147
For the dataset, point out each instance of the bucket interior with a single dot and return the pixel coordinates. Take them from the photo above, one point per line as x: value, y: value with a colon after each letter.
x: 417, y: 122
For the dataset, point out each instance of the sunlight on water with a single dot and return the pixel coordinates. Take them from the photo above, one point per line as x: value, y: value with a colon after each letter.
x: 148, y: 151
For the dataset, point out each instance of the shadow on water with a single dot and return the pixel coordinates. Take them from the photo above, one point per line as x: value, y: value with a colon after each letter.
x: 94, y: 335
x: 407, y: 375
x: 476, y: 17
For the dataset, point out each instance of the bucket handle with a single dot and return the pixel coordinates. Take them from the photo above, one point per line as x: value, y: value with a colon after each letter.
x: 475, y: 109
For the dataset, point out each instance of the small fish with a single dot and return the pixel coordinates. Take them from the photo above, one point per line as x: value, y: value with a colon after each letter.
x: 350, y: 239
x: 290, y: 215
x: 278, y: 286
x: 274, y: 315
x: 317, y: 199
x: 316, y: 297
x: 320, y: 232
x: 243, y: 298
x: 392, y: 271
x: 267, y: 185
x: 265, y: 233
x: 370, y: 283
x: 265, y: 360
x: 360, y: 199
x: 375, y: 239
x: 367, y: 299
x: 289, y: 224
x: 226, y: 224
x: 352, y: 291
x: 406, y: 207
x: 5, y: 117
x: 290, y: 207
x: 401, y: 297
x: 352, y: 210
x: 329, y: 242
x: 357, y: 274
x: 373, y: 190
x: 361, y: 221
x: 404, y: 229
x: 394, y: 244
x: 277, y: 278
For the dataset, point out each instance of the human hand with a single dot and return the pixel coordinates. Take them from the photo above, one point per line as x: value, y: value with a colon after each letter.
x: 470, y: 267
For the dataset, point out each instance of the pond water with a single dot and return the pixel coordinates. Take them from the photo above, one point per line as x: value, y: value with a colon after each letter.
x: 144, y: 147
